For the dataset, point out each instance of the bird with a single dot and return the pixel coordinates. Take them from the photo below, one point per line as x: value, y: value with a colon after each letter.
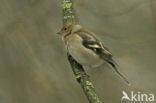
x: 86, y: 48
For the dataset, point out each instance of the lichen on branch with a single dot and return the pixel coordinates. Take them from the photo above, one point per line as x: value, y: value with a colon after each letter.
x: 68, y: 14
x: 78, y: 70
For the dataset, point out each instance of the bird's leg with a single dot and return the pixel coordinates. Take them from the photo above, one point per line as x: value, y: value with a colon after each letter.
x: 87, y: 69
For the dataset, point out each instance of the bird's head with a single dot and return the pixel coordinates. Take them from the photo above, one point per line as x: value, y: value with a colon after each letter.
x: 69, y: 28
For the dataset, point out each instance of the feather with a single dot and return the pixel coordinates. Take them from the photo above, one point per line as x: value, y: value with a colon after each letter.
x: 113, y: 64
x: 85, y: 46
x: 90, y: 42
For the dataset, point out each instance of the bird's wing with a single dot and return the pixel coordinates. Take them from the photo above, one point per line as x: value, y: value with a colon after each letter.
x: 94, y: 44
x: 91, y: 42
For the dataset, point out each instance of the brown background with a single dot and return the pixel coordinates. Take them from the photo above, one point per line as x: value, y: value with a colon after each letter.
x: 33, y: 63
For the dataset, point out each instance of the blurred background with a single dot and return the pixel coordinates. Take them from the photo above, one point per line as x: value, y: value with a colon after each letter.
x: 33, y: 62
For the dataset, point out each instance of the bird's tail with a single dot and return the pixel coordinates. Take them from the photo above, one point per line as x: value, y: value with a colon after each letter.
x: 114, y: 64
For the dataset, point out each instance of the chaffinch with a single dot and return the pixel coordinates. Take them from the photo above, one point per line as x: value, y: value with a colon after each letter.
x: 86, y: 48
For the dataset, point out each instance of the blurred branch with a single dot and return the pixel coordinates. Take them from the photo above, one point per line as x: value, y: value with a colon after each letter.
x: 78, y: 70
x: 153, y: 9
x: 120, y: 12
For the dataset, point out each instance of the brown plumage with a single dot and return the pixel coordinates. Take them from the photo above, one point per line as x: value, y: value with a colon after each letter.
x: 86, y: 48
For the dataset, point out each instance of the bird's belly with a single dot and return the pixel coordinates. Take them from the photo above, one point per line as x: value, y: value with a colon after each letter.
x: 84, y: 56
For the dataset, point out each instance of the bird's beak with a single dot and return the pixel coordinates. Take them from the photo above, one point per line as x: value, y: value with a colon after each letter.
x: 59, y: 33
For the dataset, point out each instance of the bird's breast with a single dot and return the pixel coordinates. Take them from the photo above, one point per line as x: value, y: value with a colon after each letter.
x: 81, y: 54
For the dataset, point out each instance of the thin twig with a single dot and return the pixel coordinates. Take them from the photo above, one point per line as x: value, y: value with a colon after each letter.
x: 78, y: 70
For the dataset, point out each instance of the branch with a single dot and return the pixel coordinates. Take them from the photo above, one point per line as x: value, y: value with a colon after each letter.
x: 120, y: 12
x: 78, y: 70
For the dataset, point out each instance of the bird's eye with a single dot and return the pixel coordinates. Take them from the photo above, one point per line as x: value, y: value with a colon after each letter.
x: 65, y: 28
